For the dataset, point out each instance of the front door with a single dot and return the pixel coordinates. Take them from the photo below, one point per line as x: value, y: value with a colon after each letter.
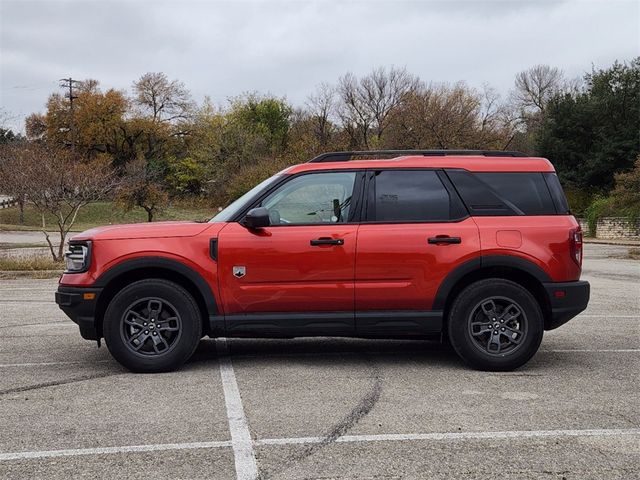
x: 415, y: 232
x: 297, y: 275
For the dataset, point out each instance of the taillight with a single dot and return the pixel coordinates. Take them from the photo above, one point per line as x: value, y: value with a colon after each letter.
x: 575, y: 239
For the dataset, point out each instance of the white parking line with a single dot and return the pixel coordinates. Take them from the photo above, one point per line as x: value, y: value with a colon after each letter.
x: 106, y: 450
x: 456, y: 436
x: 245, y: 460
x: 399, y: 437
x: 587, y: 350
x: 317, y: 354
x: 395, y: 352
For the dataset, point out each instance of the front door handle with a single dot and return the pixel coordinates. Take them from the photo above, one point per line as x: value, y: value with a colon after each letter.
x: 326, y: 241
x: 443, y: 239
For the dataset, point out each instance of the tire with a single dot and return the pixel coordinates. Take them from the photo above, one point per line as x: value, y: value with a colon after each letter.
x: 495, y: 325
x: 152, y: 325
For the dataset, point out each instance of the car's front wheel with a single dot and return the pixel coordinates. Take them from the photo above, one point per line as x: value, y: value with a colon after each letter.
x: 495, y: 324
x: 152, y: 326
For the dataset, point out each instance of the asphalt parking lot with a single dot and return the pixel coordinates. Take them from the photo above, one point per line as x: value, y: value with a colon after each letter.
x: 325, y: 408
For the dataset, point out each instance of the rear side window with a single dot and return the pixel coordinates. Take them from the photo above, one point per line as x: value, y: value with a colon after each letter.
x: 527, y: 191
x: 557, y: 194
x: 505, y: 193
x: 412, y: 196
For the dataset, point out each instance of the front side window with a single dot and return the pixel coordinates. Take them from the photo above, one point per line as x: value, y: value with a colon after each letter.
x: 240, y: 203
x: 412, y: 196
x: 312, y: 198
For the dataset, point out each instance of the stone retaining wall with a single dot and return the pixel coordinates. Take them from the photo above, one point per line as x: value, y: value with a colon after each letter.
x: 611, y: 228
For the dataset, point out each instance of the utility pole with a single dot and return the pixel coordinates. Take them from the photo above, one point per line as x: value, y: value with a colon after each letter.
x: 70, y: 83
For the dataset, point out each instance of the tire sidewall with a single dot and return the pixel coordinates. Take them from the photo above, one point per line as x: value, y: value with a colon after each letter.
x: 186, y: 343
x: 462, y: 309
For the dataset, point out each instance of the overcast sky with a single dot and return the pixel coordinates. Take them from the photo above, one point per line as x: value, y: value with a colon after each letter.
x: 222, y: 49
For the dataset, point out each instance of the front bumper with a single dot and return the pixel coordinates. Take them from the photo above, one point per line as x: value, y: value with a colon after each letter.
x: 566, y: 299
x: 79, y: 303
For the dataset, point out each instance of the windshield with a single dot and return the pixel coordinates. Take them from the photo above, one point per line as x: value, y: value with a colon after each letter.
x: 239, y: 204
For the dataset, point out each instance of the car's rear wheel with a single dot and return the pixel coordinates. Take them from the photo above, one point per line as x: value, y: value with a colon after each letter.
x: 496, y: 325
x: 152, y: 326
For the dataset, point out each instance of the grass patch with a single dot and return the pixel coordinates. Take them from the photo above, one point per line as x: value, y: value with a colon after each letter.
x: 26, y: 263
x: 102, y: 213
x: 18, y: 228
x: 11, y: 246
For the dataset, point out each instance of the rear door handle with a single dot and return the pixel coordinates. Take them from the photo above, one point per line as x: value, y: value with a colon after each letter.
x: 444, y: 239
x: 326, y: 241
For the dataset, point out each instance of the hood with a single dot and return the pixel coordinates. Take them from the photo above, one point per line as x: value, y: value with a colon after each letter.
x: 144, y: 230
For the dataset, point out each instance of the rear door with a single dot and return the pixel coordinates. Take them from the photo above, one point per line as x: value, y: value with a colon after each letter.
x: 415, y: 230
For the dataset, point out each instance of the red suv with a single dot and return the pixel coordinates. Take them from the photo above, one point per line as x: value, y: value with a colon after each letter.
x: 477, y: 247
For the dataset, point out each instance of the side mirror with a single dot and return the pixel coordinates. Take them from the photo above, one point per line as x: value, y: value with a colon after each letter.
x: 257, y: 218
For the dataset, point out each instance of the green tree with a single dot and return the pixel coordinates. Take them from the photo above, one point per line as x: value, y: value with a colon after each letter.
x: 7, y: 136
x: 626, y: 194
x: 266, y: 117
x: 592, y: 135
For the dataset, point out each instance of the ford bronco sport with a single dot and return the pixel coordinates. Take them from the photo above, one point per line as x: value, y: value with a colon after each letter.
x: 477, y: 247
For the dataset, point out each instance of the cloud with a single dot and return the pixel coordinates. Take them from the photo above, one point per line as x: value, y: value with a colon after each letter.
x: 221, y: 49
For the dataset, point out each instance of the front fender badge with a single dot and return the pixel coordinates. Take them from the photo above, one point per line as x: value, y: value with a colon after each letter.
x: 239, y: 271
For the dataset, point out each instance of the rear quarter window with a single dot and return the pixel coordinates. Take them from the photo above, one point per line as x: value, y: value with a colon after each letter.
x: 504, y: 193
x: 557, y: 194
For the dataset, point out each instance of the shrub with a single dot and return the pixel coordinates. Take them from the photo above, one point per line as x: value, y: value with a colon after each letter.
x: 599, y: 207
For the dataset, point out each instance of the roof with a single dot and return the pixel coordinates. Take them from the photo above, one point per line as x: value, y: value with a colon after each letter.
x: 473, y: 163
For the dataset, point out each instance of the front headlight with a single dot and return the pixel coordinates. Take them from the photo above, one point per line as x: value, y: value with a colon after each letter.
x: 78, y: 257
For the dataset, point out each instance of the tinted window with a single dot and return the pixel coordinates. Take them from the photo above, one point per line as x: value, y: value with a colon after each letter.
x: 412, y: 196
x: 312, y: 198
x: 556, y: 192
x: 527, y: 191
x: 510, y: 193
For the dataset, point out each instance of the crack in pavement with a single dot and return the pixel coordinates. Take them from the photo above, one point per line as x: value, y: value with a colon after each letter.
x: 27, y: 388
x: 357, y: 413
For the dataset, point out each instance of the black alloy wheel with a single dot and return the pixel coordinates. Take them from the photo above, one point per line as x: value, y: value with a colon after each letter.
x: 495, y: 324
x: 151, y: 326
x: 498, y: 325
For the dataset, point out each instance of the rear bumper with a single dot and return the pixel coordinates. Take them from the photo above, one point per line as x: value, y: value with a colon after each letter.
x: 566, y: 299
x: 79, y: 308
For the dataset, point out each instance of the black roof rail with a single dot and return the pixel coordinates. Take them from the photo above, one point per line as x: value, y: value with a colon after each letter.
x: 346, y: 156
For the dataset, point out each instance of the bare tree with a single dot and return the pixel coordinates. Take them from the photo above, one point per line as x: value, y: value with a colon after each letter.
x: 56, y: 182
x: 321, y: 106
x: 165, y: 100
x: 367, y: 103
x: 448, y: 117
x: 496, y: 123
x: 536, y: 86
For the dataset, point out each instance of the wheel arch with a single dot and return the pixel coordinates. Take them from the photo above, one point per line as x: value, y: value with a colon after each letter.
x: 523, y: 272
x: 129, y: 271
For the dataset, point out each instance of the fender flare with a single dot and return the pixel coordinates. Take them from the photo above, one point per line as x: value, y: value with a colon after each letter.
x: 477, y: 263
x: 166, y: 264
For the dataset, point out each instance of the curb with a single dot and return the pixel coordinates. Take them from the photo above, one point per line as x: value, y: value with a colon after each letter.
x: 621, y: 243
